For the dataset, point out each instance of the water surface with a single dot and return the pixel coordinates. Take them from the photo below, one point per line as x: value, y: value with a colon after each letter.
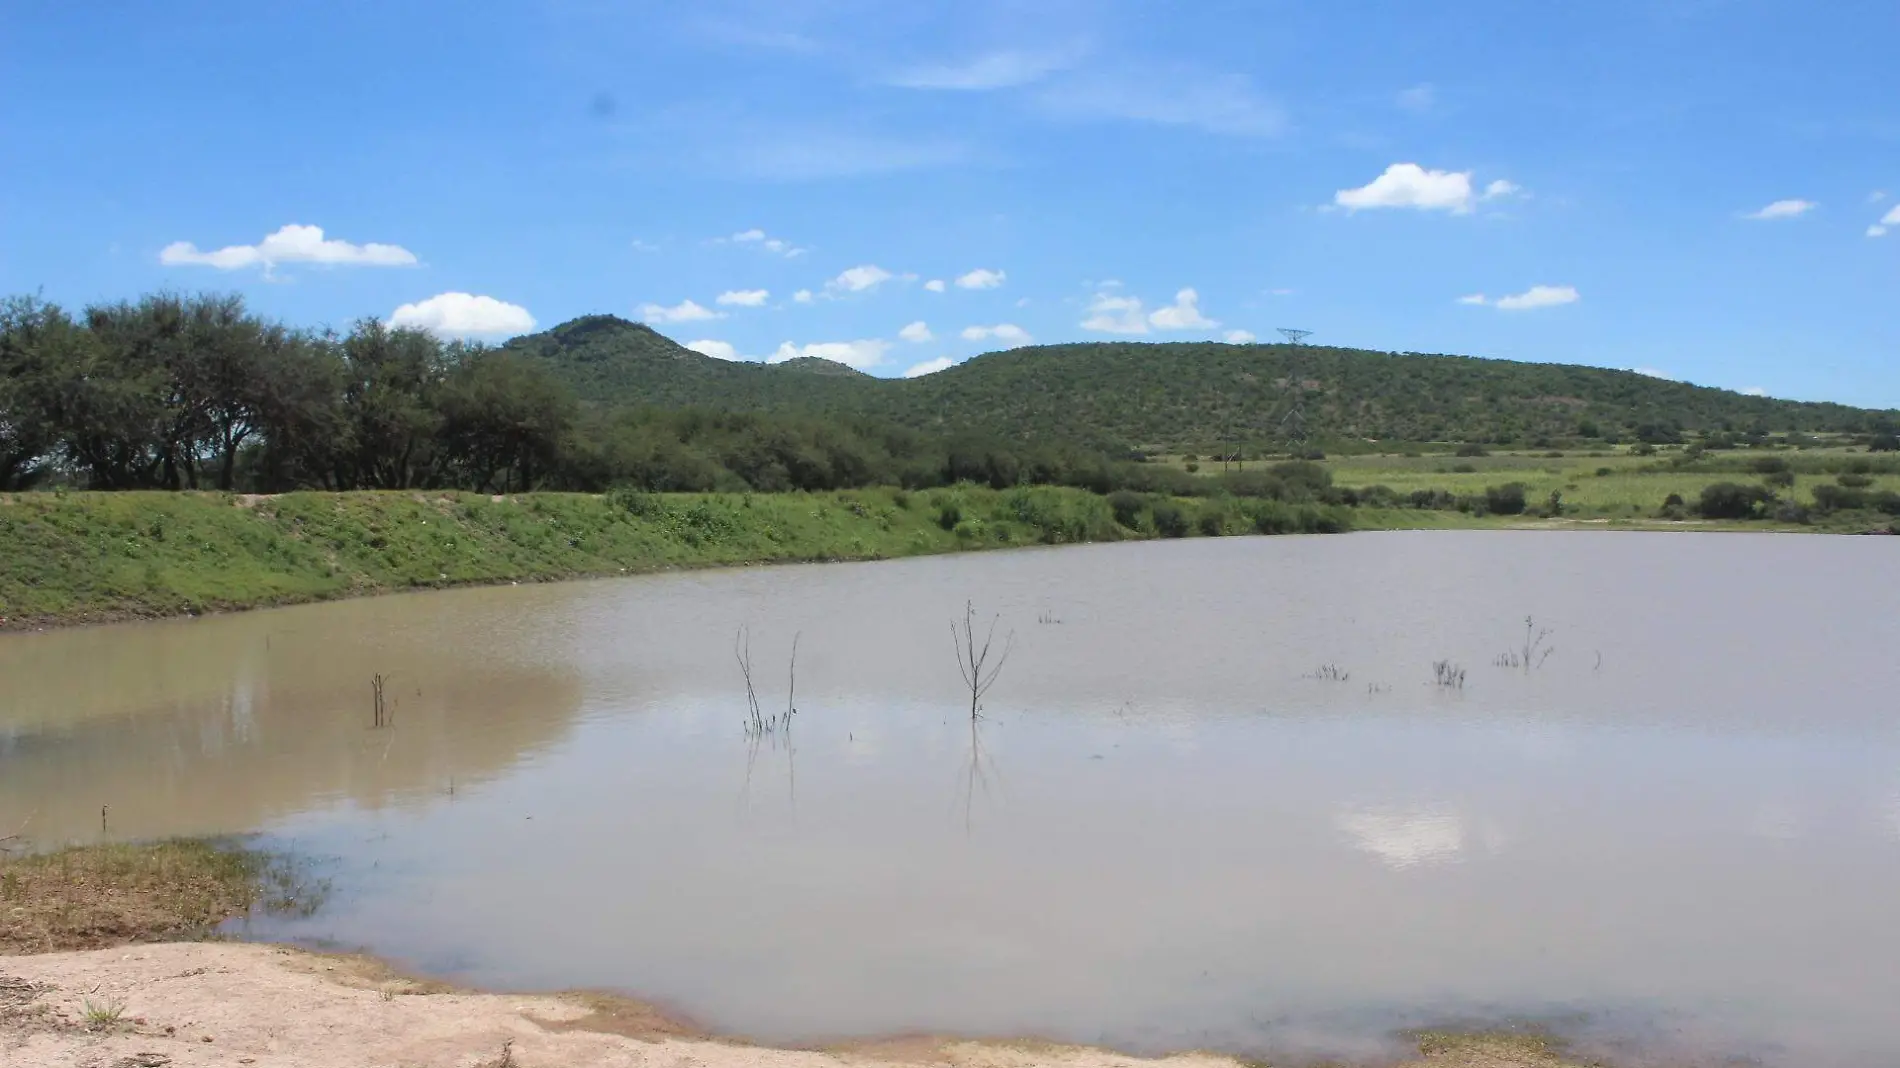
x: 1681, y: 830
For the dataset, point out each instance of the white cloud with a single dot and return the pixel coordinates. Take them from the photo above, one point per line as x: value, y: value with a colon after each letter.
x: 1783, y: 209
x: 1110, y: 314
x: 1408, y: 185
x: 1183, y: 314
x: 1651, y: 372
x: 981, y: 278
x: 464, y: 315
x: 1539, y: 297
x: 935, y: 285
x: 803, y: 296
x: 929, y: 367
x: 861, y: 354
x: 1022, y: 302
x: 685, y: 311
x: 1753, y: 391
x: 765, y: 241
x: 1892, y: 218
x: 1418, y: 99
x: 290, y: 244
x: 917, y: 332
x: 1876, y: 196
x: 996, y: 70
x: 718, y: 350
x: 1008, y: 333
x: 860, y: 279
x: 1474, y: 298
x: 1239, y: 337
x: 1280, y: 292
x: 744, y: 298
x: 644, y: 246
x: 1224, y: 104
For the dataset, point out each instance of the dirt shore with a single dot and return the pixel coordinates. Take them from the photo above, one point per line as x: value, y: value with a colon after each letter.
x: 204, y: 1004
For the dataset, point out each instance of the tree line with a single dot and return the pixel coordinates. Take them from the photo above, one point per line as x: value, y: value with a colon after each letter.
x: 180, y: 392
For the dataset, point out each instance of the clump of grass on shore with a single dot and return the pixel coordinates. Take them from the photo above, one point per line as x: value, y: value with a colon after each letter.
x: 91, y: 897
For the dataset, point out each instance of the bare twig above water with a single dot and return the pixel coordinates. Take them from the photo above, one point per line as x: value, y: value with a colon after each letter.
x: 1447, y: 675
x: 973, y: 661
x: 379, y: 710
x: 1330, y: 673
x: 1532, y: 654
x: 757, y: 723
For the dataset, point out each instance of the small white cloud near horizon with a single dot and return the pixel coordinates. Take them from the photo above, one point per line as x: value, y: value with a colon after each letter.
x: 758, y: 237
x: 1418, y: 99
x: 718, y: 350
x: 916, y: 333
x: 860, y: 279
x: 862, y: 354
x: 463, y: 315
x: 1651, y: 372
x: 1782, y: 209
x: 1008, y: 333
x: 1183, y: 314
x: 1239, y: 337
x: 1110, y: 314
x: 1753, y: 391
x: 993, y: 70
x: 935, y: 285
x: 1892, y: 218
x: 294, y: 243
x: 744, y: 298
x: 1408, y: 185
x: 929, y: 367
x: 1534, y: 297
x: 981, y: 278
x: 685, y: 311
x: 803, y: 296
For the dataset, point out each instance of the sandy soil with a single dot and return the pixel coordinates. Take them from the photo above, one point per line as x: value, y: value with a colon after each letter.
x: 186, y: 1005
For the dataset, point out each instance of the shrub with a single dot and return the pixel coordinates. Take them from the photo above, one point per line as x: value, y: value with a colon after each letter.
x: 1884, y: 501
x: 1436, y: 500
x: 1472, y: 448
x: 1464, y: 469
x: 1853, y: 480
x: 1192, y: 467
x: 949, y: 514
x: 1884, y: 443
x: 1642, y: 448
x: 1732, y: 500
x: 1169, y: 519
x: 1605, y: 472
x: 1213, y: 522
x: 1783, y: 479
x: 1768, y: 465
x: 1127, y: 507
x: 1507, y: 499
x: 1838, y: 498
x: 1379, y: 497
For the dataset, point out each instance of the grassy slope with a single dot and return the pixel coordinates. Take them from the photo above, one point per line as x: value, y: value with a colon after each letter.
x: 1175, y: 394
x: 82, y: 557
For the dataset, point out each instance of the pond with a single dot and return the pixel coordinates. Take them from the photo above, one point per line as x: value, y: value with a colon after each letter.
x: 1219, y: 796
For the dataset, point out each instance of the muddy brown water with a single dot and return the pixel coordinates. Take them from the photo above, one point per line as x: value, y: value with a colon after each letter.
x: 1680, y: 834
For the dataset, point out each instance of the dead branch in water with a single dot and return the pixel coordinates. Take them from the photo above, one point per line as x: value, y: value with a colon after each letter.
x: 973, y: 661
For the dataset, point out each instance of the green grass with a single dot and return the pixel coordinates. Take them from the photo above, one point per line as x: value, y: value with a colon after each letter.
x: 84, y: 557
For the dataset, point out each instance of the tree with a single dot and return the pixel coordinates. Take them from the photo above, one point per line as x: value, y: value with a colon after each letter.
x: 36, y: 339
x: 1733, y: 500
x: 503, y: 415
x: 390, y: 381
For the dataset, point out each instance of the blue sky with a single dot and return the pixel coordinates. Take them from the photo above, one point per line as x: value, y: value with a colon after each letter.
x: 1693, y: 187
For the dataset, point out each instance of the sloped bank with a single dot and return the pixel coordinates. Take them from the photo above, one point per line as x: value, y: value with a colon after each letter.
x: 69, y: 558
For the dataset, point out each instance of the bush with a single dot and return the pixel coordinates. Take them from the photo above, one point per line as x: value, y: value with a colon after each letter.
x: 1507, y: 499
x: 1783, y: 479
x: 1884, y: 501
x: 1127, y: 507
x: 1605, y: 472
x: 1169, y: 519
x: 1838, y: 498
x: 1212, y: 521
x: 949, y: 514
x: 1192, y: 467
x: 1435, y: 500
x: 1464, y: 469
x: 1732, y: 500
x: 1472, y: 448
x: 636, y: 502
x: 1853, y: 480
x: 1884, y: 443
x: 1768, y: 465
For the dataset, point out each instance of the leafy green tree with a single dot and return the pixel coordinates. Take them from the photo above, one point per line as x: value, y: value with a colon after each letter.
x: 503, y: 416
x: 36, y: 340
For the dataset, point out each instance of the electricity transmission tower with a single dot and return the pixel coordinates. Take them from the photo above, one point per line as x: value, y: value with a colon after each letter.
x: 1293, y: 424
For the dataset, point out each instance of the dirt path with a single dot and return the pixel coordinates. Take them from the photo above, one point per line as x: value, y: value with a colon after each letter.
x: 196, y: 1005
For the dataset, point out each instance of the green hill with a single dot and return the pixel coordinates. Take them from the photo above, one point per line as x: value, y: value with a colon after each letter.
x: 1179, y: 394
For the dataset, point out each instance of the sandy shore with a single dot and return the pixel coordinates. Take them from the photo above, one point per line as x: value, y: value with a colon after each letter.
x: 186, y: 1005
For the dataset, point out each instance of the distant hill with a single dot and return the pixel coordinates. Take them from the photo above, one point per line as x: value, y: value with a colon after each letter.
x: 1169, y: 394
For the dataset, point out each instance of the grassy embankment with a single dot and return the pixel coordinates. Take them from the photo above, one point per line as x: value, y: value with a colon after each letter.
x: 87, y: 557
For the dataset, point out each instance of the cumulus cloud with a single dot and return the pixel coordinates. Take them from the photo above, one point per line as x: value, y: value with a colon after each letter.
x: 1239, y: 337
x: 685, y: 311
x: 289, y: 244
x: 981, y: 278
x: 860, y: 279
x: 935, y: 285
x: 1183, y: 314
x: 1783, y: 209
x: 1892, y: 218
x: 1169, y: 95
x: 803, y: 296
x: 744, y: 298
x: 1408, y: 185
x: 718, y: 350
x: 765, y: 241
x: 862, y: 354
x: 1112, y: 314
x: 917, y: 332
x: 929, y: 367
x: 1754, y: 391
x: 464, y: 315
x: 1008, y: 333
x: 1534, y: 297
x: 1651, y: 372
